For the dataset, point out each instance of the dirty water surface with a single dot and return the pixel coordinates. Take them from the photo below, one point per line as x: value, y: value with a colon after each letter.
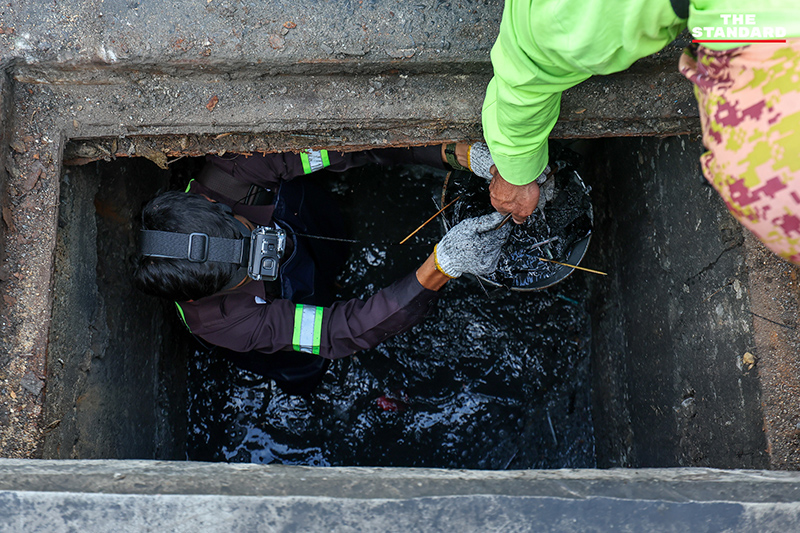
x: 492, y: 380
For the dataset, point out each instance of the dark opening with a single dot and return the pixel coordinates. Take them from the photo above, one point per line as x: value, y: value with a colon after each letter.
x: 492, y: 380
x: 596, y: 371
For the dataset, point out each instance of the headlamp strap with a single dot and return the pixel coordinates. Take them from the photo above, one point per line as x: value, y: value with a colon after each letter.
x: 195, y: 247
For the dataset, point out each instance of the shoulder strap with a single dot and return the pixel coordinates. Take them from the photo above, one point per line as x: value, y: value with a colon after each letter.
x: 225, y: 184
x: 195, y: 247
x: 220, y: 181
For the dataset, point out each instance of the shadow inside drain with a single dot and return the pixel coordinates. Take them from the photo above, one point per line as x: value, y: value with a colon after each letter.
x: 492, y: 380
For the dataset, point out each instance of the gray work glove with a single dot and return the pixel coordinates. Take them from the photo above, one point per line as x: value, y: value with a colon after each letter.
x: 480, y: 160
x: 472, y: 246
x: 547, y: 189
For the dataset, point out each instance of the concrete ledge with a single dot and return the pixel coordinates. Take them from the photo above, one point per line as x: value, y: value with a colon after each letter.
x: 57, y: 512
x: 135, y: 495
x: 362, y: 483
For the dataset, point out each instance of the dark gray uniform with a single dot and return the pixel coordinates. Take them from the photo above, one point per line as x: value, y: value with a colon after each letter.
x: 294, y: 315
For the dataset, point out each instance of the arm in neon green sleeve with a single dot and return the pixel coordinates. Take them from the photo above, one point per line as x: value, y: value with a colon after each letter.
x: 545, y: 47
x: 516, y: 130
x: 522, y: 100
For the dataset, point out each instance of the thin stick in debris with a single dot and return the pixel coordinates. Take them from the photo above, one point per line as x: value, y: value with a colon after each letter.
x: 573, y: 266
x: 716, y: 291
x: 434, y: 216
x: 542, y: 243
x: 552, y: 429
x: 503, y: 222
x: 444, y: 186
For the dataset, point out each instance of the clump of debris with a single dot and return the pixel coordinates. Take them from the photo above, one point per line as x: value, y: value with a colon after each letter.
x: 559, y: 229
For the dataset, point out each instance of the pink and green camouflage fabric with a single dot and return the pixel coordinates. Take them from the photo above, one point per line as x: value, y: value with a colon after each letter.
x: 749, y: 100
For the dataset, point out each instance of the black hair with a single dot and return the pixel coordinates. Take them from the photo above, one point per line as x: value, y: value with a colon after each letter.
x: 181, y: 279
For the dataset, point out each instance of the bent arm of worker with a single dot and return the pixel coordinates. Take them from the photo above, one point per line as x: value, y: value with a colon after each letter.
x: 267, y: 170
x: 520, y: 109
x: 516, y: 125
x: 517, y: 122
x: 544, y: 48
x: 242, y: 322
x: 523, y: 99
x: 238, y: 321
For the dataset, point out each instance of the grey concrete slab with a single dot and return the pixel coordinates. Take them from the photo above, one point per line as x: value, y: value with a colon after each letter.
x: 229, y: 34
x: 57, y: 512
x: 180, y: 477
x: 159, y: 496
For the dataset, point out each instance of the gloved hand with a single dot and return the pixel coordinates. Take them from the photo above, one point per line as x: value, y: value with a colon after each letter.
x: 480, y: 160
x: 472, y: 246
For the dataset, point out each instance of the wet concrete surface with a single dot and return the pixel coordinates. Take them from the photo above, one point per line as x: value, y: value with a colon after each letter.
x: 673, y: 320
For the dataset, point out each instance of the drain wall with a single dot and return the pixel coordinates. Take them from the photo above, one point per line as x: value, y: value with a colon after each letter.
x: 673, y: 319
x: 116, y: 364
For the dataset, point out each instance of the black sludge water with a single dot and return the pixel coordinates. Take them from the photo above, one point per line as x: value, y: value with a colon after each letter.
x: 493, y: 380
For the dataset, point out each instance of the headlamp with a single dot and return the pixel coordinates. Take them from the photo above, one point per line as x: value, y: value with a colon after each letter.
x: 260, y: 250
x: 266, y: 249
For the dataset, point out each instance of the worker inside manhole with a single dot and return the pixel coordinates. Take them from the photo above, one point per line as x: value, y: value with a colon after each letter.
x: 481, y: 368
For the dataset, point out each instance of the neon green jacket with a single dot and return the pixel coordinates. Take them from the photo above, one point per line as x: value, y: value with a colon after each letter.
x: 547, y: 46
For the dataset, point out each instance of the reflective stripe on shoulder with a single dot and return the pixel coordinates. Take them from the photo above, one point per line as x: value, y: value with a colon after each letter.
x: 307, y: 328
x: 314, y: 160
x: 183, y: 317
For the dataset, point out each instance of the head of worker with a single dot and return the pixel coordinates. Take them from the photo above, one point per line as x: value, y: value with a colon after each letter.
x: 182, y: 279
x: 472, y: 247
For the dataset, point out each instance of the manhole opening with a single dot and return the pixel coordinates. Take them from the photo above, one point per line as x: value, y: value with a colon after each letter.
x: 469, y: 388
x: 492, y: 380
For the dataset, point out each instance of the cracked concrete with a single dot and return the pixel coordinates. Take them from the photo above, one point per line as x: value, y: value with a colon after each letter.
x: 676, y: 321
x: 85, y: 80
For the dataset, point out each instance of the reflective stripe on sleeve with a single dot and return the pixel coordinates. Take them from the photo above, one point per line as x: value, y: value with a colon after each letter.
x: 307, y: 328
x: 183, y: 317
x: 314, y: 160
